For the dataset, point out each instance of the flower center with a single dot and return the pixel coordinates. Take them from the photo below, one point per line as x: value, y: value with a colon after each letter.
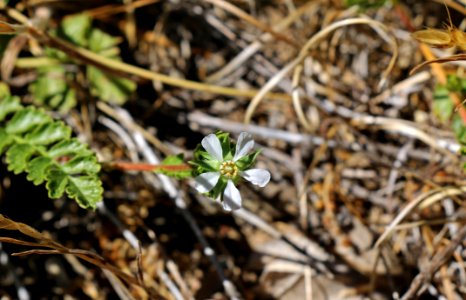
x: 229, y: 169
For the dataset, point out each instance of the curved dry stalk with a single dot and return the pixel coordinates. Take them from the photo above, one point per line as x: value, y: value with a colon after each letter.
x: 442, y: 60
x: 296, y: 101
x: 312, y: 43
x: 421, y: 201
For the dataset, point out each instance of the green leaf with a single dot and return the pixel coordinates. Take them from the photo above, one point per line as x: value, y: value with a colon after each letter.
x: 103, y: 43
x: 443, y: 106
x: 76, y: 29
x: 175, y: 160
x: 109, y: 88
x: 68, y: 147
x: 8, y: 105
x: 459, y: 129
x: 86, y: 190
x: 5, y: 140
x: 81, y: 165
x: 26, y: 119
x: 18, y: 156
x: 52, y: 89
x: 43, y: 148
x: 49, y: 133
x: 56, y: 183
x: 37, y: 168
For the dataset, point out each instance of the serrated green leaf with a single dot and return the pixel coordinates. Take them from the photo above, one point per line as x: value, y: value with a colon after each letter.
x: 56, y: 184
x: 49, y: 133
x: 5, y: 140
x: 43, y: 148
x: 68, y: 147
x: 87, y: 191
x: 26, y: 119
x: 18, y: 156
x: 37, y: 169
x: 52, y: 89
x: 76, y: 29
x: 109, y: 88
x: 100, y: 42
x: 81, y: 164
x: 8, y: 105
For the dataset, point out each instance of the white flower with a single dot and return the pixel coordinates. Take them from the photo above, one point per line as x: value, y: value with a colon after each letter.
x: 229, y: 170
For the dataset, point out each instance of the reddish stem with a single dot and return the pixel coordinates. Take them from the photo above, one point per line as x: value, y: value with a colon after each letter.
x: 129, y: 166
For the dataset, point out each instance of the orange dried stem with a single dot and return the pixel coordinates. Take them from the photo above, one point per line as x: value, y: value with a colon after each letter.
x: 129, y: 166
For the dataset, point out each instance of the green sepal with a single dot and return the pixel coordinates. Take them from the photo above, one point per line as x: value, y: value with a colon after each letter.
x: 203, y: 162
x: 217, y: 191
x: 247, y: 161
x: 227, y: 145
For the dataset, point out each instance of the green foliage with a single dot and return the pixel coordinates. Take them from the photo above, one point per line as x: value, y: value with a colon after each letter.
x: 174, y: 161
x: 54, y: 86
x: 443, y: 106
x: 43, y: 148
x: 366, y: 4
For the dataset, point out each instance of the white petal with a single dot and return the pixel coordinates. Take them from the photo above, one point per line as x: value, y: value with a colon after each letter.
x: 206, y: 181
x: 257, y: 176
x: 244, y: 145
x: 231, y: 197
x: 212, y: 145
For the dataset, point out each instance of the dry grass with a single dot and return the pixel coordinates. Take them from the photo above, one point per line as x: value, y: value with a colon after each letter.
x: 367, y: 190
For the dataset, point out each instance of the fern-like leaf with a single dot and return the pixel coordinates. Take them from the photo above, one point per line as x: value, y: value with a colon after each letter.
x: 43, y: 148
